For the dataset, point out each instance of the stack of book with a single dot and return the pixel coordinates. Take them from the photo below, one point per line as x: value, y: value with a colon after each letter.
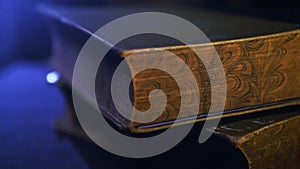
x: 261, y: 61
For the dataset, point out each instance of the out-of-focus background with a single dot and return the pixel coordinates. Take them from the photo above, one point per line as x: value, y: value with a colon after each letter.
x: 28, y: 105
x: 24, y: 35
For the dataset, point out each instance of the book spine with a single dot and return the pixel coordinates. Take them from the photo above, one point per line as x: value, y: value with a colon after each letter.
x: 259, y: 71
x: 270, y: 140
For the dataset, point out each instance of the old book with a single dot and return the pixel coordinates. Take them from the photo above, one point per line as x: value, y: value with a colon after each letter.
x: 267, y: 141
x: 261, y: 61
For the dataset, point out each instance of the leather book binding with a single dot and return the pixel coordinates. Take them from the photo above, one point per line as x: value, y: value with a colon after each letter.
x: 261, y: 61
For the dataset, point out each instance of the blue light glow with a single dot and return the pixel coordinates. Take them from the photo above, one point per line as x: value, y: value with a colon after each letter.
x: 53, y: 77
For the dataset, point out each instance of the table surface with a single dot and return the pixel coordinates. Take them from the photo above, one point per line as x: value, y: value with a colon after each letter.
x: 28, y: 108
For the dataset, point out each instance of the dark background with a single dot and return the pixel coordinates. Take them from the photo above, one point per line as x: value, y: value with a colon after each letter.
x: 23, y: 34
x: 28, y: 105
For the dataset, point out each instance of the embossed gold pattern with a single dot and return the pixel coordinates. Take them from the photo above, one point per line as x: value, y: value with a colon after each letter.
x: 259, y: 70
